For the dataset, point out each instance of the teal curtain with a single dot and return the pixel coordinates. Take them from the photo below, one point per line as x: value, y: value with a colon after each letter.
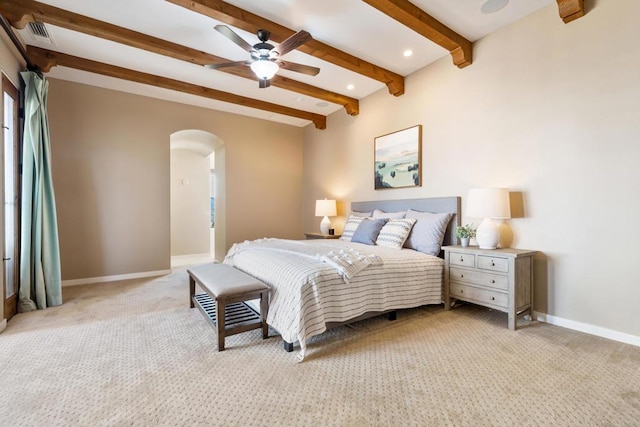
x: 40, y: 279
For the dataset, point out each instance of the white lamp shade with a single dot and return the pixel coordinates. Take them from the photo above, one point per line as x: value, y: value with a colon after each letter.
x: 488, y: 203
x: 326, y: 208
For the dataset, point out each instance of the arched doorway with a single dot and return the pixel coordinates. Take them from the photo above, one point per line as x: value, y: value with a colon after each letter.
x: 193, y: 159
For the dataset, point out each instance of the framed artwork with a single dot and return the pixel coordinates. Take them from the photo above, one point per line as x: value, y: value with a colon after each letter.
x: 398, y: 158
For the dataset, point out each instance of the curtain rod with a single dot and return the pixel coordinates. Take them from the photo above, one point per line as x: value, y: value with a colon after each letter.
x: 7, y: 28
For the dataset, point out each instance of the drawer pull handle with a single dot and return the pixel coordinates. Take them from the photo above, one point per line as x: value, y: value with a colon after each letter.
x: 461, y: 276
x: 492, y: 281
x: 493, y: 264
x: 461, y: 291
x: 461, y: 259
x: 493, y: 298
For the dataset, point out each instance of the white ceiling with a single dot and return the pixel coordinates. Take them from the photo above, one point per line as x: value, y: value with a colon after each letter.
x: 349, y: 25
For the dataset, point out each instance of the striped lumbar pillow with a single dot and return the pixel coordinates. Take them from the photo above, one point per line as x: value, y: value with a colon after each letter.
x: 395, y: 232
x: 350, y: 227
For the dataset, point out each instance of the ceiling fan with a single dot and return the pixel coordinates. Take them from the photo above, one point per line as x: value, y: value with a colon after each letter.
x: 265, y: 57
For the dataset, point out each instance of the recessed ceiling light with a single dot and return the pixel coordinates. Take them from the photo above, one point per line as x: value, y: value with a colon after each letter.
x: 492, y: 6
x: 350, y: 87
x: 322, y: 104
x: 407, y: 53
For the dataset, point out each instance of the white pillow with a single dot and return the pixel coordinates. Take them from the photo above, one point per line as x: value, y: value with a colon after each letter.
x: 395, y: 232
x: 377, y: 213
x: 350, y: 227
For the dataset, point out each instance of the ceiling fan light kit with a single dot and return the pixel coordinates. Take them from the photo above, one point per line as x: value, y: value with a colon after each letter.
x: 265, y: 69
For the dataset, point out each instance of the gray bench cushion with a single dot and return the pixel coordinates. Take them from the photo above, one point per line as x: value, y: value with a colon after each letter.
x: 222, y: 280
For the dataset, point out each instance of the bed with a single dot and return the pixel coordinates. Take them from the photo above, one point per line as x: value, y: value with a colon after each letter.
x: 320, y: 283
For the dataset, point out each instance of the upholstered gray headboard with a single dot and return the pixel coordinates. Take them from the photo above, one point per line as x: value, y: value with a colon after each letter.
x: 433, y: 204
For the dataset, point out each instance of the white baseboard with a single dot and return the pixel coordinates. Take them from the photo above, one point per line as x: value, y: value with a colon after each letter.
x: 103, y: 279
x: 589, y: 329
x: 3, y: 325
x: 180, y: 260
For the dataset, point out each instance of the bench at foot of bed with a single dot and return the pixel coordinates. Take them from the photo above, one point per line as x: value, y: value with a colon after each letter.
x: 224, y: 301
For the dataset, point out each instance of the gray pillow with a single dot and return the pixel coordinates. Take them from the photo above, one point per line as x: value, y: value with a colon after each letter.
x: 368, y: 230
x: 427, y: 233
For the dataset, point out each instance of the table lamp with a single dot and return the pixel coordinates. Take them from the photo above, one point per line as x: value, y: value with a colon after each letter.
x: 325, y: 208
x: 490, y: 204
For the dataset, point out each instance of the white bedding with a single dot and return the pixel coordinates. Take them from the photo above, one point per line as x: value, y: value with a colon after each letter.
x: 307, y: 292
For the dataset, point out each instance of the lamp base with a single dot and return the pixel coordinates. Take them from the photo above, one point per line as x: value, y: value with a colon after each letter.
x: 487, y: 234
x: 325, y: 224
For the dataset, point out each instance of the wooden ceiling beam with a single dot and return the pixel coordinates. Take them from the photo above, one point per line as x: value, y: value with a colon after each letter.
x: 240, y: 18
x: 45, y: 59
x: 20, y: 12
x: 426, y: 25
x: 570, y: 10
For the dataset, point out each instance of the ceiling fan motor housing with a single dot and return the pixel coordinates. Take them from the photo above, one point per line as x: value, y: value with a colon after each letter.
x: 263, y: 35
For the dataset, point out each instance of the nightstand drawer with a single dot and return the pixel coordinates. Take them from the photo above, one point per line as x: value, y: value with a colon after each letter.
x: 459, y: 258
x: 479, y: 278
x: 486, y: 262
x: 483, y: 296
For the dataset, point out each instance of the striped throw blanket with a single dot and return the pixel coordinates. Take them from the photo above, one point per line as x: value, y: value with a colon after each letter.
x: 350, y: 262
x: 308, y: 291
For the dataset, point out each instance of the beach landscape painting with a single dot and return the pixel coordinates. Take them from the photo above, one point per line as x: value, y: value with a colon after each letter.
x: 397, y: 159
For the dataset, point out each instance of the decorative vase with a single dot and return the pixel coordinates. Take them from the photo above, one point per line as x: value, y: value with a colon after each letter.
x: 464, y: 241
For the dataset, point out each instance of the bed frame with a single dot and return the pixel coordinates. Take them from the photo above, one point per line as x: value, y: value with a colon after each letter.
x: 432, y: 204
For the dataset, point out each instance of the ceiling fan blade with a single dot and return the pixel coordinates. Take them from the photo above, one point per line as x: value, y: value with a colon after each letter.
x: 299, y: 68
x: 226, y: 64
x: 231, y: 35
x: 298, y: 39
x: 262, y: 83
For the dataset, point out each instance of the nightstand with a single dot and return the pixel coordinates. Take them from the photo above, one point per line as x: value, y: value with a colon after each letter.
x: 501, y: 279
x: 310, y: 236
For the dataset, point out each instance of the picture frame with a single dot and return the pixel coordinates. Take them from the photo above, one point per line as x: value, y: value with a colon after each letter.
x: 398, y: 159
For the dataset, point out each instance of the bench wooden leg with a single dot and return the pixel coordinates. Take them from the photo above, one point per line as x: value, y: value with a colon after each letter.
x: 192, y: 291
x: 264, y: 308
x: 220, y: 323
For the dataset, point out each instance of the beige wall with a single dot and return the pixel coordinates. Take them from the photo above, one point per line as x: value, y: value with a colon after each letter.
x: 190, y: 211
x: 111, y: 177
x: 220, y: 159
x: 547, y: 109
x: 11, y: 64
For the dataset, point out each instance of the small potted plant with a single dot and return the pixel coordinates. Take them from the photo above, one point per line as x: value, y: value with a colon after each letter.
x: 464, y: 233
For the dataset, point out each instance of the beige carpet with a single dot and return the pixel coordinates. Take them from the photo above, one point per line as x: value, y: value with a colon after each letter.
x: 133, y: 353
